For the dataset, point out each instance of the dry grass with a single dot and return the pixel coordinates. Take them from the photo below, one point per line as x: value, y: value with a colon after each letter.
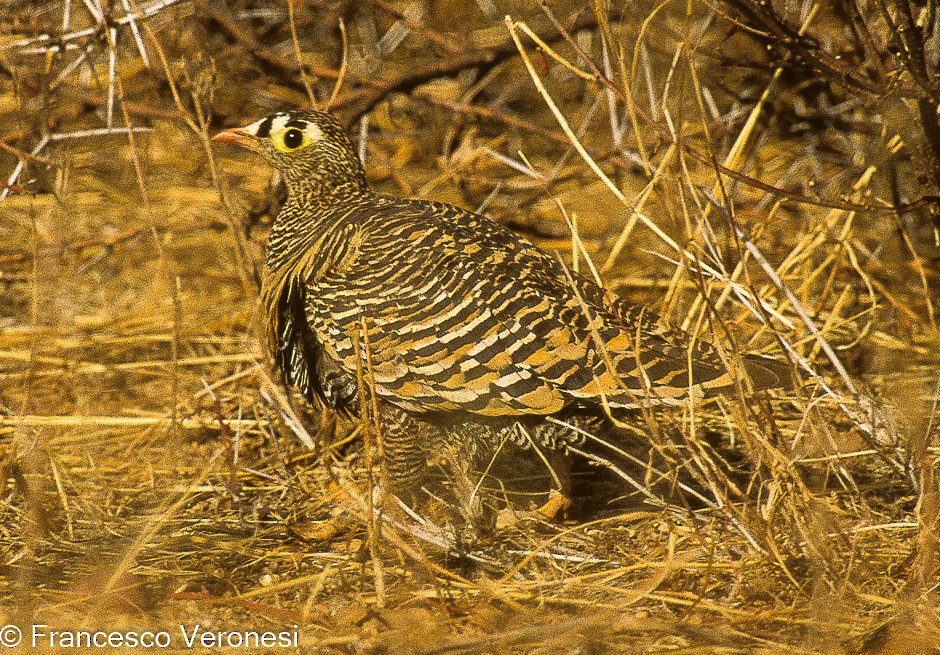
x: 153, y: 472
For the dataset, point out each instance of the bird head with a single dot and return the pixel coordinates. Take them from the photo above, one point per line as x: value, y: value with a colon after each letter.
x: 310, y: 149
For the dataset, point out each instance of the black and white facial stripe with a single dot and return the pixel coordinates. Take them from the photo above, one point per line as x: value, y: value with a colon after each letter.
x: 282, y: 121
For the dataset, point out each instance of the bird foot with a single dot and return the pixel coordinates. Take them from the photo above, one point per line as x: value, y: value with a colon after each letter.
x: 339, y: 524
x: 556, y: 507
x: 341, y: 520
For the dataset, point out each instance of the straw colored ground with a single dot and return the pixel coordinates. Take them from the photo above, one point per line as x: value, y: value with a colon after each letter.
x: 769, y: 192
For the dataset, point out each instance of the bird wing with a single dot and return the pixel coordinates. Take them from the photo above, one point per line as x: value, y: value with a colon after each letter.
x: 456, y: 312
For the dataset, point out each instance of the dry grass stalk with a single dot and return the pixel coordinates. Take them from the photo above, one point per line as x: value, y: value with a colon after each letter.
x: 144, y: 473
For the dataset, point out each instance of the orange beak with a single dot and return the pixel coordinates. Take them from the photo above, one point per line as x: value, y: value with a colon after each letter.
x: 238, y: 136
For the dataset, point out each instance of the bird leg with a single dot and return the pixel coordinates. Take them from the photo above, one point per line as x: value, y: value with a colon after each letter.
x: 558, y: 463
x: 403, y: 468
x: 404, y: 442
x: 559, y: 496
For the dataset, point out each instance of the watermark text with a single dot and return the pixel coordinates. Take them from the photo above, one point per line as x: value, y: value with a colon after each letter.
x: 40, y: 635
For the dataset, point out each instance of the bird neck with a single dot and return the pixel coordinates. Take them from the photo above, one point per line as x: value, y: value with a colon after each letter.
x: 306, y: 215
x: 325, y: 180
x: 324, y: 194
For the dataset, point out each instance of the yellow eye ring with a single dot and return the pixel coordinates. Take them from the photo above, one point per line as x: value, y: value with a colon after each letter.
x: 291, y: 139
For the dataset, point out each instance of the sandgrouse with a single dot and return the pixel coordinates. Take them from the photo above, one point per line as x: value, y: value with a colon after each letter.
x: 473, y: 332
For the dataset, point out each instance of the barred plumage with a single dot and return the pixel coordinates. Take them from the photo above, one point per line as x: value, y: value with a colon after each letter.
x: 472, y: 330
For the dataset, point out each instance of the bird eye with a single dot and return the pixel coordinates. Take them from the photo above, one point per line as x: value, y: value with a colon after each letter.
x: 293, y: 139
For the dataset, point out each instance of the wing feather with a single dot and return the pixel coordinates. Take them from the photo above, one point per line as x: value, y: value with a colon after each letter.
x: 464, y: 314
